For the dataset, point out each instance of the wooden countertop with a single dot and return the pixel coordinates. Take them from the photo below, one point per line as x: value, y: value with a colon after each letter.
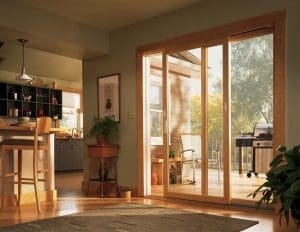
x: 68, y: 137
x: 25, y: 127
x: 28, y: 128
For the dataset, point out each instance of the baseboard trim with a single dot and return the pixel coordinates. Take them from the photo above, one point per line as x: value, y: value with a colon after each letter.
x: 29, y: 197
x: 95, y: 188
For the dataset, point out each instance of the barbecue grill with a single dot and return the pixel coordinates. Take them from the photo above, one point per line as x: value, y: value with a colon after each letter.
x: 262, y: 148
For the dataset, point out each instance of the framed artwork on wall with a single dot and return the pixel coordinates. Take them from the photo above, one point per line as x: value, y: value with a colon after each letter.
x: 109, y: 96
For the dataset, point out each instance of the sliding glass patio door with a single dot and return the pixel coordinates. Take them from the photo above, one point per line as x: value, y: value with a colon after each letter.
x: 184, y: 122
x: 200, y: 98
x: 194, y: 123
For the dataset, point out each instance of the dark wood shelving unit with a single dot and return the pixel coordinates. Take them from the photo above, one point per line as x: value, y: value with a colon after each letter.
x: 23, y: 100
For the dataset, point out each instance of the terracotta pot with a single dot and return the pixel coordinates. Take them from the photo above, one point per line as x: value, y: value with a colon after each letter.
x: 154, y: 179
x: 125, y: 194
x: 101, y: 140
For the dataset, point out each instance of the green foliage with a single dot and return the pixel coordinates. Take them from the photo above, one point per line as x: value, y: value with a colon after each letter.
x: 283, y: 184
x: 215, y: 115
x: 104, y: 126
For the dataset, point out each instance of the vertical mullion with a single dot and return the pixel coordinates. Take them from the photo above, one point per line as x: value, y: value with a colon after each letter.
x: 279, y: 83
x: 204, y: 121
x: 165, y: 90
x: 140, y: 124
x: 147, y: 156
x: 226, y: 123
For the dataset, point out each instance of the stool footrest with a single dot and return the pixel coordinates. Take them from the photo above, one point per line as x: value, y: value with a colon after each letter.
x: 26, y: 182
x: 11, y: 174
x: 41, y: 171
x: 27, y: 178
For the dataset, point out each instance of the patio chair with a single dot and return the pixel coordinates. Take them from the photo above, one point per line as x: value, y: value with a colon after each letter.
x: 191, y: 155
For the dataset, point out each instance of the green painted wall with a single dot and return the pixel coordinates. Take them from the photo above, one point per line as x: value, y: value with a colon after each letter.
x: 123, y: 44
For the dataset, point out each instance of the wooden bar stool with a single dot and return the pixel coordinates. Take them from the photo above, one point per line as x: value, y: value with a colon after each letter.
x: 42, y: 128
x: 2, y: 124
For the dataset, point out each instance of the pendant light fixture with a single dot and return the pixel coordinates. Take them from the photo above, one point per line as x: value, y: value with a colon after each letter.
x: 23, y: 76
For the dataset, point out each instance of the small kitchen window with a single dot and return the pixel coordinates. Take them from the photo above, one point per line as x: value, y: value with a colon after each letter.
x: 156, y: 111
x: 71, y: 112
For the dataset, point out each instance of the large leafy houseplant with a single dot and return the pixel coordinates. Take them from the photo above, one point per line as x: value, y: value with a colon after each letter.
x: 103, y: 128
x: 283, y: 184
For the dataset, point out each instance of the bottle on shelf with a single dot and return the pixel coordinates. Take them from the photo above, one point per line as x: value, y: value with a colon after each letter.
x: 16, y: 112
x: 53, y: 99
x: 40, y: 113
x: 11, y: 112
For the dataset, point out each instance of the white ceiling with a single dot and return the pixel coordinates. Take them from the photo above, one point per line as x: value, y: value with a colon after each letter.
x: 69, y: 31
x: 109, y: 15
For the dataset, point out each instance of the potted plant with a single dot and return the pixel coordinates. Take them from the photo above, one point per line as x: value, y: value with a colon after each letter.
x: 103, y: 128
x: 172, y: 154
x: 283, y: 184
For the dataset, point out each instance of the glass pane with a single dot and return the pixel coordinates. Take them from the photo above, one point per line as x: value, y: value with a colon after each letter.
x: 69, y: 118
x: 251, y: 105
x: 155, y: 95
x: 71, y: 99
x: 184, y: 163
x: 156, y: 127
x: 70, y: 115
x: 215, y: 120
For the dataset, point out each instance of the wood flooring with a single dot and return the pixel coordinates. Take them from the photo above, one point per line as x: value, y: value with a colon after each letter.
x: 241, y: 185
x: 71, y: 200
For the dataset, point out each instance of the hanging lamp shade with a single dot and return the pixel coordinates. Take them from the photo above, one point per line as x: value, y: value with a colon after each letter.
x: 23, y: 76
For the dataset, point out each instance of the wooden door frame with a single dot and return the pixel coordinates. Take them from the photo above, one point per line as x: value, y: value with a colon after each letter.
x: 276, y: 21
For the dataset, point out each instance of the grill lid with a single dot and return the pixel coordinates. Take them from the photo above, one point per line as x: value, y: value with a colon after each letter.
x: 263, y: 131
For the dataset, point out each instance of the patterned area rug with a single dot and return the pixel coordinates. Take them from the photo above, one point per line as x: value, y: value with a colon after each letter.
x: 134, y: 217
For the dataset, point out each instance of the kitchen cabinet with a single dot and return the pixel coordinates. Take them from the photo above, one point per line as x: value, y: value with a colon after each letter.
x: 25, y: 100
x: 68, y: 154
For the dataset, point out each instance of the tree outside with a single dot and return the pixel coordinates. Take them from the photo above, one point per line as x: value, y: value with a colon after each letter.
x: 251, y: 82
x: 251, y: 89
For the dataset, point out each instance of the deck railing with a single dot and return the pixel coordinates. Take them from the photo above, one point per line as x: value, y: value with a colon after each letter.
x: 215, y: 148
